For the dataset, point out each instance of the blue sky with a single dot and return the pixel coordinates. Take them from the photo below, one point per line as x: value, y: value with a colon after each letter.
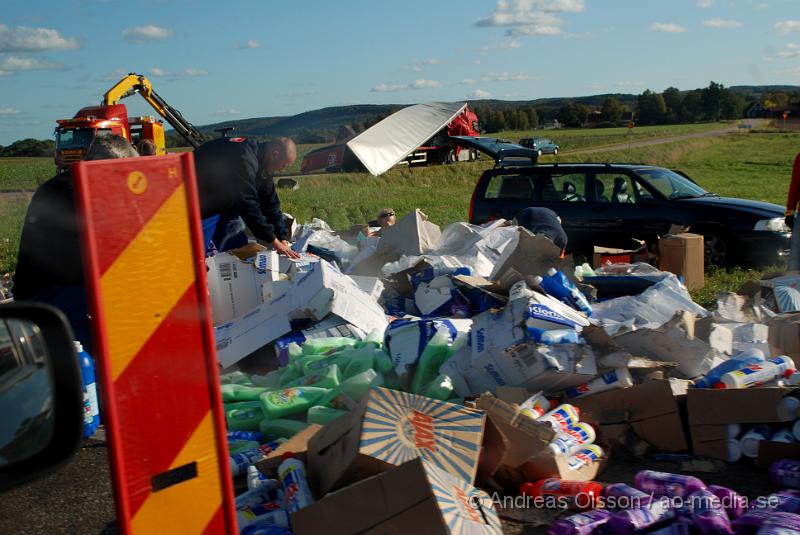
x: 218, y: 60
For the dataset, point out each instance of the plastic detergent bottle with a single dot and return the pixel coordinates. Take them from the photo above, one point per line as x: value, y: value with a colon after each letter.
x: 572, y: 440
x: 665, y: 484
x: 269, y: 491
x: 586, y: 456
x: 733, y: 502
x: 292, y: 474
x: 625, y: 497
x: 580, y: 524
x: 91, y: 405
x: 322, y: 415
x: 629, y: 521
x: 756, y: 520
x: 785, y: 473
x: 781, y: 525
x: 281, y: 428
x: 756, y: 374
x: 280, y: 403
x: 271, y: 380
x: 436, y: 352
x: 351, y: 390
x: 325, y: 345
x: 783, y: 434
x: 734, y: 449
x: 240, y: 461
x: 732, y: 364
x: 373, y: 339
x: 788, y: 408
x: 245, y: 435
x: 383, y: 362
x: 236, y: 392
x: 574, y: 494
x: 263, y: 515
x: 707, y: 513
x: 554, y: 336
x: 327, y: 377
x: 561, y: 418
x: 255, y: 478
x: 619, y: 378
x: 786, y: 501
x: 440, y: 388
x: 236, y: 446
x: 343, y: 358
x: 535, y: 406
x: 749, y: 441
x: 244, y: 418
x: 557, y: 284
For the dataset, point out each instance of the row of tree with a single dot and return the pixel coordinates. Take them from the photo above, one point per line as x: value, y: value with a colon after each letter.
x: 29, y: 147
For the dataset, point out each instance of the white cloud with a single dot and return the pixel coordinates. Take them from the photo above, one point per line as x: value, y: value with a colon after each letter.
x: 185, y: 73
x: 193, y: 72
x: 630, y: 83
x: 704, y: 4
x: 792, y: 50
x: 155, y: 71
x: 14, y: 64
x: 667, y: 27
x: 787, y: 26
x: 722, y: 23
x: 467, y: 81
x: 416, y: 84
x: 229, y: 111
x: 252, y: 43
x: 513, y: 43
x: 530, y: 17
x: 5, y: 112
x: 24, y: 39
x: 479, y: 93
x: 142, y: 34
x: 506, y: 77
x: 788, y: 72
x: 419, y: 64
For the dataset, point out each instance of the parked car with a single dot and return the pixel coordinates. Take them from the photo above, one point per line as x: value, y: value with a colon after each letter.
x: 611, y: 204
x: 541, y: 145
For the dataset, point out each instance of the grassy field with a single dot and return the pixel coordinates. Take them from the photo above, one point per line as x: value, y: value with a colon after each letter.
x: 754, y: 165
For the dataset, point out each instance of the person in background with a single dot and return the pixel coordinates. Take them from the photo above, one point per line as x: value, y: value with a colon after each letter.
x: 546, y: 222
x: 235, y: 179
x: 792, y: 202
x: 385, y: 218
x: 49, y: 263
x: 146, y: 147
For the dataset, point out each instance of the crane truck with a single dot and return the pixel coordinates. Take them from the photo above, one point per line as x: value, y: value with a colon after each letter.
x: 73, y: 136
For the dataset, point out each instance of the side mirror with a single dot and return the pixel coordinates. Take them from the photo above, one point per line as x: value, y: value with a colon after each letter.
x: 41, y: 393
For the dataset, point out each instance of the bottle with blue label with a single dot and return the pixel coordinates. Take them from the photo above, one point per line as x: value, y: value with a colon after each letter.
x: 554, y: 336
x: 292, y: 474
x: 91, y: 406
x: 757, y: 374
x: 742, y: 360
x: 556, y: 284
x: 619, y: 378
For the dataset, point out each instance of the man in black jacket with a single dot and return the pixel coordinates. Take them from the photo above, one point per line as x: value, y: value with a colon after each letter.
x: 234, y: 179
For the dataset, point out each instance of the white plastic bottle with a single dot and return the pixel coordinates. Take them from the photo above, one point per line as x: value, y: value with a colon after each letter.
x: 783, y: 435
x: 787, y: 410
x: 733, y: 430
x: 573, y: 439
x: 796, y: 430
x: 292, y: 473
x: 619, y: 378
x: 749, y: 442
x: 535, y: 406
x: 561, y: 418
x: 734, y: 448
x: 757, y: 374
x: 254, y: 477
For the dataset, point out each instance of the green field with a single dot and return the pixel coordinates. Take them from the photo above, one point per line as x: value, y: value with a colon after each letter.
x: 749, y: 165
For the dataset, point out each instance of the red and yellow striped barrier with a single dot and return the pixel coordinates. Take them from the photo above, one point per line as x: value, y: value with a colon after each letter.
x: 162, y: 407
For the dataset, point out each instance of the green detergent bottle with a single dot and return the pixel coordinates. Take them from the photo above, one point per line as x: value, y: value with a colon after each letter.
x: 234, y: 392
x: 392, y: 381
x: 234, y: 378
x: 351, y: 390
x: 340, y: 358
x: 270, y: 381
x: 280, y: 428
x: 327, y: 377
x: 374, y: 339
x: 241, y: 445
x: 433, y: 356
x: 244, y: 418
x: 440, y: 388
x: 325, y: 345
x: 322, y: 415
x: 288, y: 401
x: 294, y: 351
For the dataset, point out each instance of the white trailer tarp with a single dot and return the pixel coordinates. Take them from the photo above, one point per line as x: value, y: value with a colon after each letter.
x: 385, y: 144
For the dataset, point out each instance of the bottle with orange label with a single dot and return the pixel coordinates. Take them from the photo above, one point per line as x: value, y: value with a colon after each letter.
x: 572, y: 494
x: 287, y: 401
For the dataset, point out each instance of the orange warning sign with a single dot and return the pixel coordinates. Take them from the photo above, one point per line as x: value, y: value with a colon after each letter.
x: 154, y: 342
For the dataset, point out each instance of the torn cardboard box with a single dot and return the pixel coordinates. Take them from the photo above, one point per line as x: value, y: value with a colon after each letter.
x: 530, y: 254
x: 612, y: 255
x: 415, y: 497
x: 390, y: 427
x: 413, y: 234
x: 784, y: 335
x: 684, y: 255
x: 406, y: 339
x: 235, y: 285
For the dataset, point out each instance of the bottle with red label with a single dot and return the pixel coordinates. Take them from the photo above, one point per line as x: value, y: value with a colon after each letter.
x: 572, y: 494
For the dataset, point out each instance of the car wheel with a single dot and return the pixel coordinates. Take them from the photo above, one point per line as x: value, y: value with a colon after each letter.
x: 451, y: 156
x: 717, y: 249
x: 555, y: 152
x: 539, y: 152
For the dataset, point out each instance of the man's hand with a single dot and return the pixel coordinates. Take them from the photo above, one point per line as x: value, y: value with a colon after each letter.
x: 790, y: 221
x: 284, y: 248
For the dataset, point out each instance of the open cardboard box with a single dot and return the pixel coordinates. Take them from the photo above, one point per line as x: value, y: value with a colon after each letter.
x: 784, y: 335
x: 519, y: 451
x: 388, y: 428
x: 683, y: 255
x: 650, y: 409
x: 613, y: 255
x: 415, y: 497
x: 710, y: 411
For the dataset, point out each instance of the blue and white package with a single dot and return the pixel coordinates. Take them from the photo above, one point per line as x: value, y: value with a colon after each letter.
x: 555, y: 336
x: 406, y: 339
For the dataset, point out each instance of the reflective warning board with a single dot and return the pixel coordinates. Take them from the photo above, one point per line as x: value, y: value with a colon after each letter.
x: 154, y: 345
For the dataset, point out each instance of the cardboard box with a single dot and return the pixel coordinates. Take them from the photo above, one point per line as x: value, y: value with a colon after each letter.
x: 530, y: 254
x: 683, y: 255
x: 415, y: 497
x: 612, y: 255
x: 770, y: 452
x: 235, y: 285
x: 784, y: 335
x: 412, y: 235
x: 372, y: 286
x: 388, y: 428
x: 406, y: 339
x: 243, y: 335
x: 711, y: 410
x: 650, y: 409
x: 521, y: 453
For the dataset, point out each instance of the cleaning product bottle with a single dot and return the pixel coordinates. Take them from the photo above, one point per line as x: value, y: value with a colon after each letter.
x: 580, y: 524
x: 91, y: 405
x: 707, y: 513
x: 322, y: 415
x: 783, y: 434
x: 254, y: 477
x: 573, y: 494
x: 561, y: 418
x: 554, y: 336
x: 268, y: 492
x: 757, y: 374
x: 436, y: 352
x: 440, y: 388
x: 244, y: 418
x: 350, y: 391
x: 280, y: 403
x: 572, y: 440
x: 780, y: 524
x: 292, y: 474
x: 326, y: 345
x: 245, y: 435
x: 360, y: 362
x: 237, y: 392
x: 557, y: 284
x: 665, y: 484
x: 734, y: 503
x: 240, y: 461
x: 586, y: 456
x: 619, y: 378
x: 235, y: 446
x: 629, y: 521
x: 785, y: 473
x: 742, y: 360
x: 270, y: 381
x: 785, y: 501
x: 788, y: 408
x: 749, y: 441
x: 281, y: 427
x: 621, y: 496
x: 587, y: 270
x: 374, y: 339
x: 327, y: 377
x: 535, y: 406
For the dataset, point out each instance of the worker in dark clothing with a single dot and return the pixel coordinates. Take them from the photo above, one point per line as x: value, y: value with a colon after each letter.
x: 49, y: 263
x: 543, y: 221
x: 235, y: 179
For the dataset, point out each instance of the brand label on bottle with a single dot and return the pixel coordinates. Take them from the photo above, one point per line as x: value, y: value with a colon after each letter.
x: 87, y: 409
x: 284, y: 397
x: 91, y: 389
x: 610, y: 377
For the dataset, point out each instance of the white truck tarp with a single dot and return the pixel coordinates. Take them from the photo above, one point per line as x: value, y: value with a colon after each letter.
x: 383, y: 145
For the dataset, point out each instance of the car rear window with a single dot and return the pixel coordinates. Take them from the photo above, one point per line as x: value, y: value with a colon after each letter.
x: 509, y: 187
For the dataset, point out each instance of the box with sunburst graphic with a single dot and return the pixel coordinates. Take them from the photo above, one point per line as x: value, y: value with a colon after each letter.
x: 389, y: 428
